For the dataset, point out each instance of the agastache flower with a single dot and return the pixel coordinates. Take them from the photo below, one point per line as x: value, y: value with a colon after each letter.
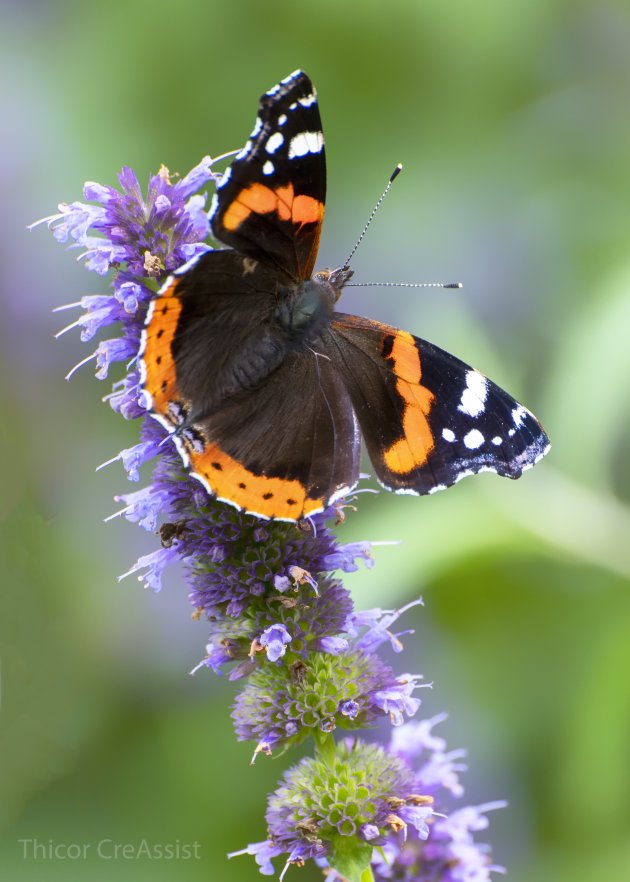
x: 337, y: 807
x: 395, y: 809
x: 282, y: 705
x: 169, y: 225
x: 278, y: 618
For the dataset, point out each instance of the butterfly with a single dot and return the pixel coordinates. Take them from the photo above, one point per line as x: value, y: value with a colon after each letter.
x: 266, y: 389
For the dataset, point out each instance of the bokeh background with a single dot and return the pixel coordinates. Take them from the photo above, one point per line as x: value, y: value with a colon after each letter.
x: 513, y: 122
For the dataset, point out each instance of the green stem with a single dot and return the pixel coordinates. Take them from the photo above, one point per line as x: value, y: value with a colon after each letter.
x: 325, y: 747
x: 367, y: 875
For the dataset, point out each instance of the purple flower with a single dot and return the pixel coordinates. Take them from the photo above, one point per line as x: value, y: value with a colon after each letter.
x: 275, y: 639
x: 396, y: 700
x: 169, y: 225
x: 150, y: 567
x: 374, y: 626
x: 446, y: 850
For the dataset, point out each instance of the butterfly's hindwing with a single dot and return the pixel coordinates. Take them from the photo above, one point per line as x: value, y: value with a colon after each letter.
x: 429, y: 419
x: 286, y: 449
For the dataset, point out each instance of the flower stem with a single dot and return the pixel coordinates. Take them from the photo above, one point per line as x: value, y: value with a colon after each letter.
x: 325, y: 747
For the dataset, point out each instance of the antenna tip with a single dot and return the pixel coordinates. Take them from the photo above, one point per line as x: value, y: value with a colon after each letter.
x: 453, y: 285
x: 396, y: 172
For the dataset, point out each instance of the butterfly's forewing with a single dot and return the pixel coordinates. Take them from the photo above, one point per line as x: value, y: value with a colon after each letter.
x: 270, y: 202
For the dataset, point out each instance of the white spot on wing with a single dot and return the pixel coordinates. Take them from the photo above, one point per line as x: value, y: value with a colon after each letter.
x: 282, y: 119
x: 473, y: 401
x: 473, y: 439
x: 305, y: 142
x: 308, y: 101
x: 268, y: 168
x: 518, y: 415
x: 275, y: 141
x: 497, y: 440
x: 448, y: 435
x: 257, y: 128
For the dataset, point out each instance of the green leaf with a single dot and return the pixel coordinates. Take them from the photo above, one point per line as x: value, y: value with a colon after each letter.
x: 351, y: 859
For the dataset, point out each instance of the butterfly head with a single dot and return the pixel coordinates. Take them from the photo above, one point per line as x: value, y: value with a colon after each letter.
x: 334, y: 279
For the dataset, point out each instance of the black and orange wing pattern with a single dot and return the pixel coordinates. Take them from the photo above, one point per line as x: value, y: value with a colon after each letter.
x: 270, y: 202
x: 429, y: 419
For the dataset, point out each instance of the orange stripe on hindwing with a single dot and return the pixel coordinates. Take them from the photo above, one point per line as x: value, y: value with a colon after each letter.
x: 267, y: 496
x: 260, y: 199
x: 413, y: 448
x: 161, y: 381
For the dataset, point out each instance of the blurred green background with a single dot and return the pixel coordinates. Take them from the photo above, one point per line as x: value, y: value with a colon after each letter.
x: 513, y: 122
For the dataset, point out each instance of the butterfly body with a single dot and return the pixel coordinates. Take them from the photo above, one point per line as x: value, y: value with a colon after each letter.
x: 267, y: 389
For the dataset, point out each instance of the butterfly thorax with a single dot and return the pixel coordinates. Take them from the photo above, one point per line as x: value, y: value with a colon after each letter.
x: 306, y: 309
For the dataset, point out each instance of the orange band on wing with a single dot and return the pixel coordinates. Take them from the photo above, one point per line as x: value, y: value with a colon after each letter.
x: 160, y: 379
x: 269, y: 497
x: 260, y: 199
x: 413, y: 449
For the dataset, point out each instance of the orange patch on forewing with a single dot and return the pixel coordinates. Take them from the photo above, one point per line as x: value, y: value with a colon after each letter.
x: 270, y: 497
x: 161, y: 382
x: 260, y: 199
x: 307, y: 210
x: 413, y: 449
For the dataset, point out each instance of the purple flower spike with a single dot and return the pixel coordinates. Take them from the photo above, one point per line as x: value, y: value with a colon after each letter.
x: 277, y: 617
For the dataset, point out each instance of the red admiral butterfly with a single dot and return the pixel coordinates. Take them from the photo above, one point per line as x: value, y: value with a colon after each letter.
x: 266, y: 389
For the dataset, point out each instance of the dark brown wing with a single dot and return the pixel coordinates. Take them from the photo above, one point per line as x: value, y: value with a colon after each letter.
x: 285, y: 450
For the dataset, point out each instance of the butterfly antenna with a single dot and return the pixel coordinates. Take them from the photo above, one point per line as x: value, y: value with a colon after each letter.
x: 346, y: 263
x: 403, y: 285
x: 392, y: 178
